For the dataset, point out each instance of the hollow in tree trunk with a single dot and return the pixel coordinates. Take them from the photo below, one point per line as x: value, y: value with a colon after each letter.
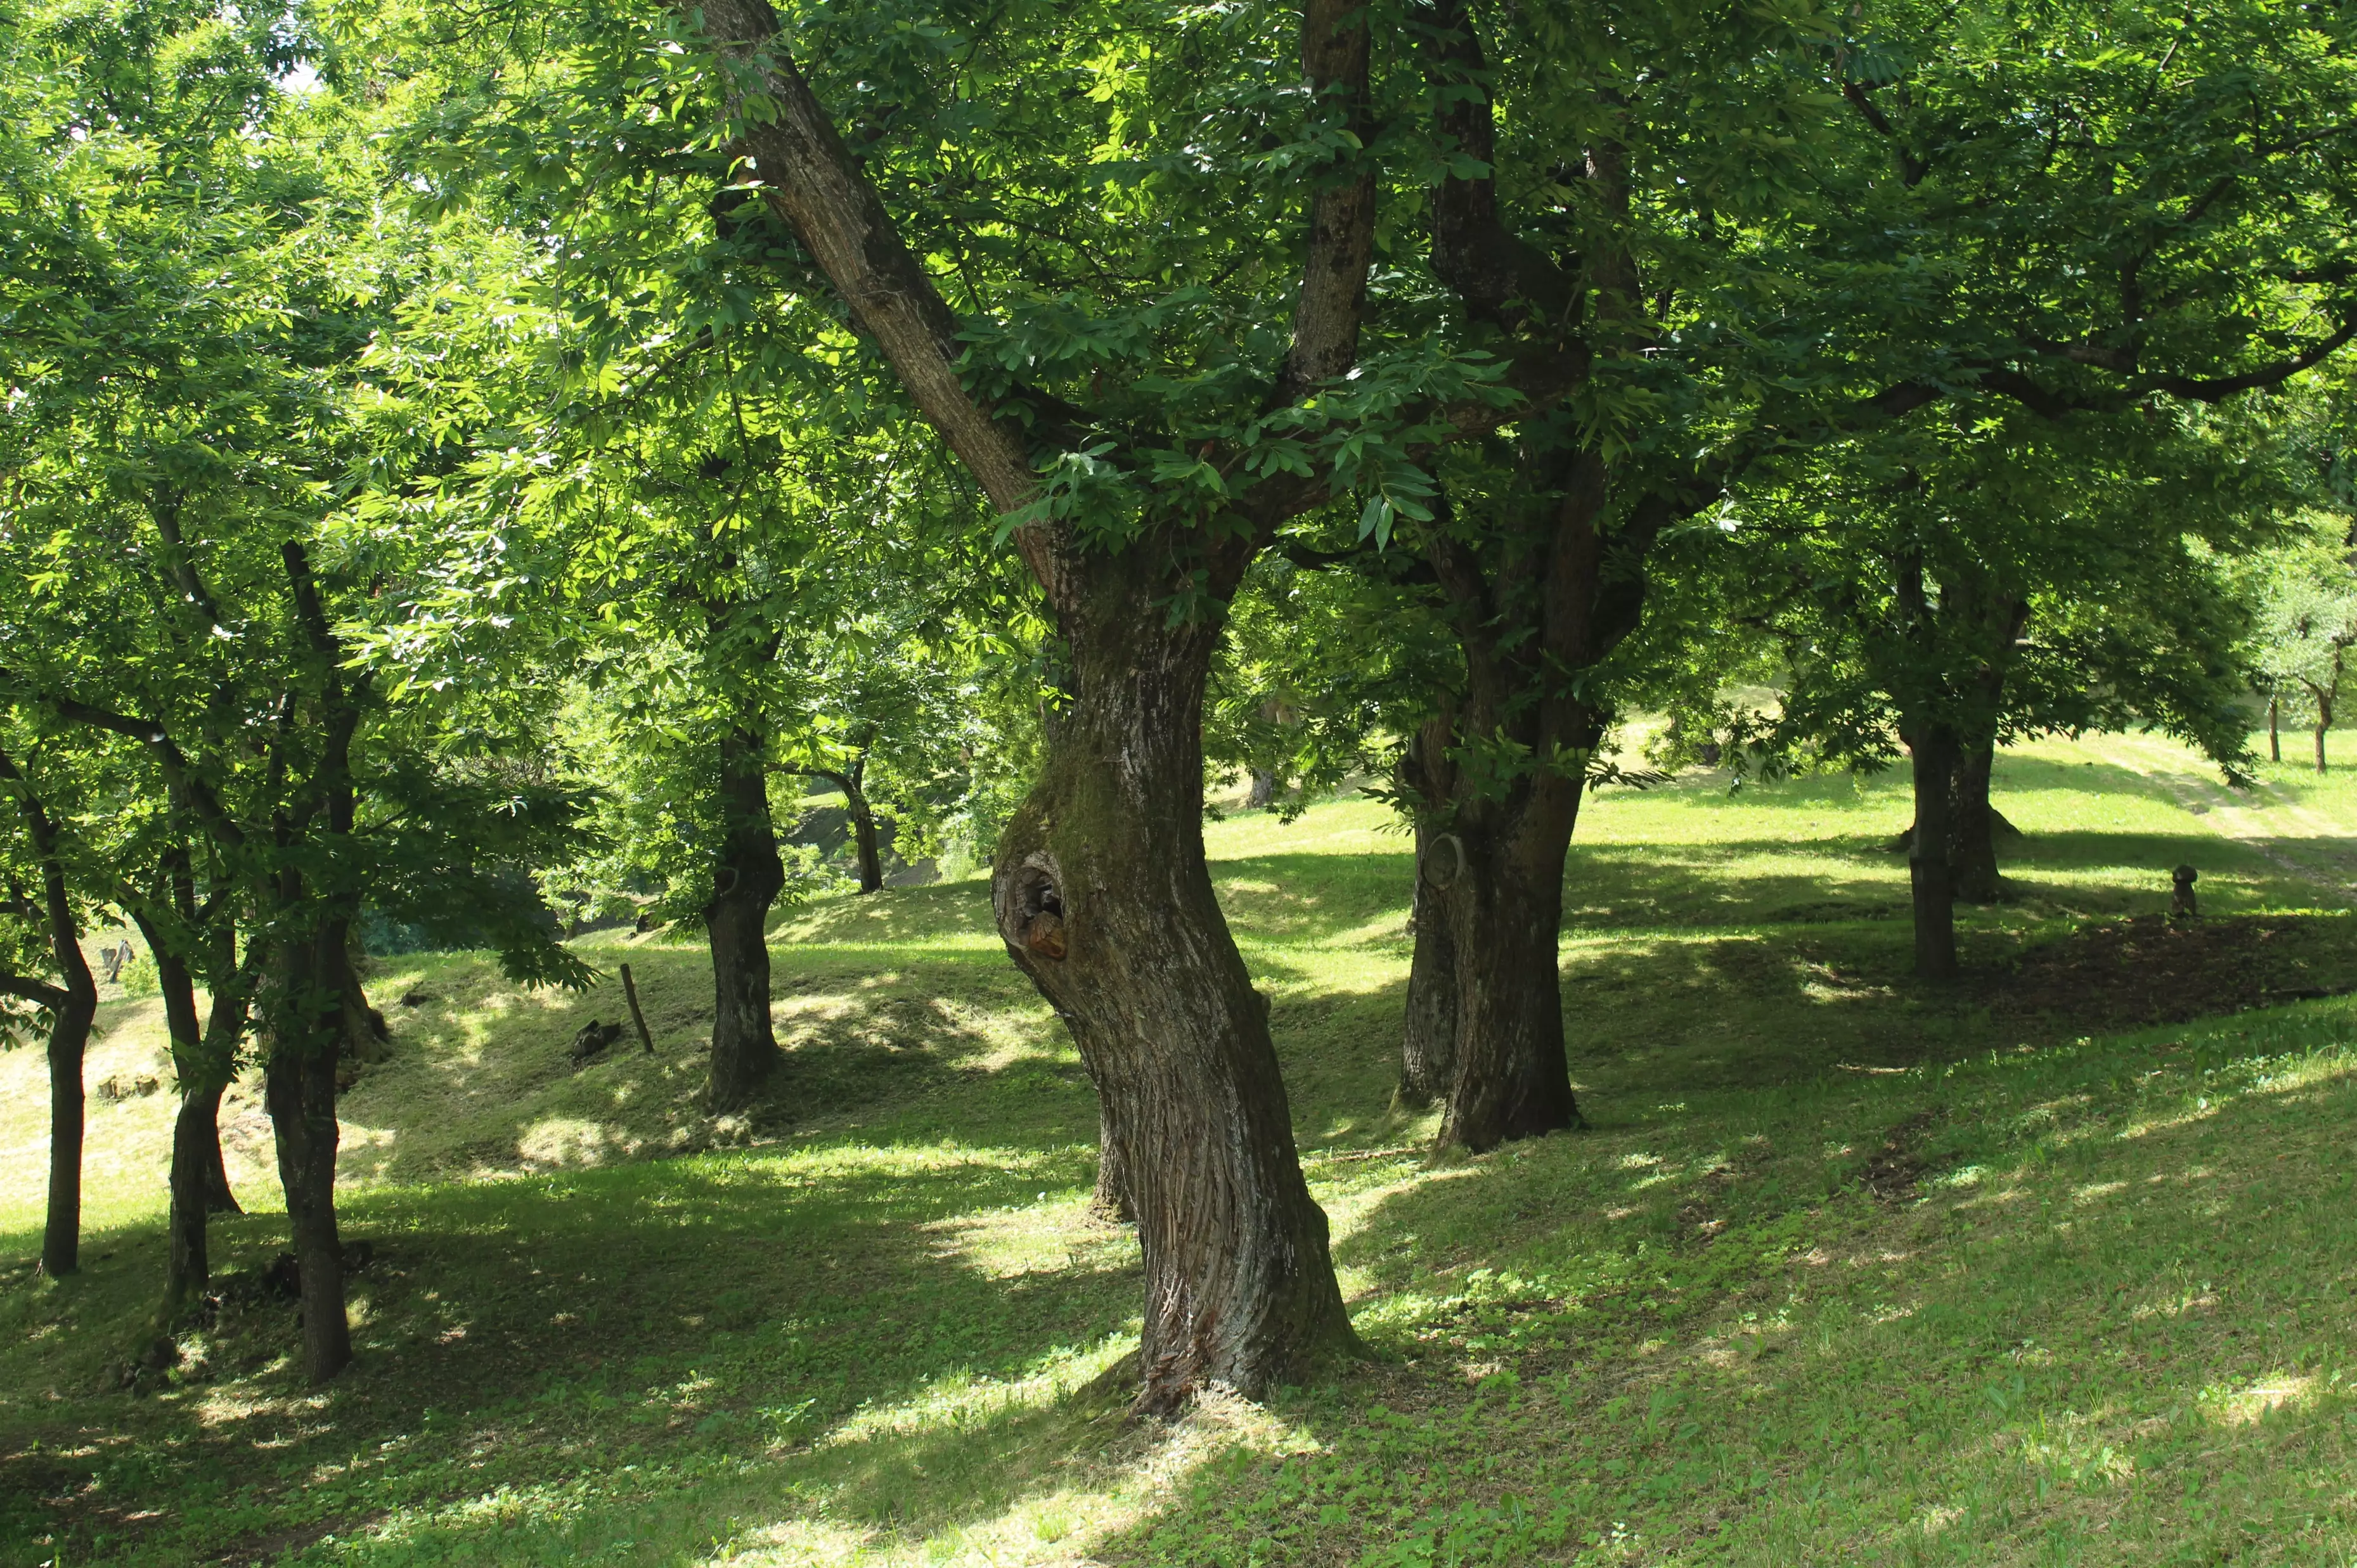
x: 1428, y: 1045
x: 1933, y: 751
x: 1101, y: 891
x: 305, y: 1018
x: 1972, y: 833
x: 747, y: 877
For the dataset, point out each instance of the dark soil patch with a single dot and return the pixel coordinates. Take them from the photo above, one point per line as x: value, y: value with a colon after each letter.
x: 2150, y: 970
x: 1892, y: 1170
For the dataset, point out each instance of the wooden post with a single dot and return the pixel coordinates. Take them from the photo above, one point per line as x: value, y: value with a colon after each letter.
x: 630, y: 995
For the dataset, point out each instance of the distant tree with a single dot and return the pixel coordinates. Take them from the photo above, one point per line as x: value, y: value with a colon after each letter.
x: 2306, y: 621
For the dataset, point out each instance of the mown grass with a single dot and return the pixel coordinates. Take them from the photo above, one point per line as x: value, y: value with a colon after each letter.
x: 1843, y: 1272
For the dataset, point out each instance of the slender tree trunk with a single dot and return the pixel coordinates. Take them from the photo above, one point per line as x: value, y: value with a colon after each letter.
x: 1972, y: 833
x: 68, y: 1041
x: 306, y: 1020
x: 1513, y: 1081
x: 863, y: 829
x: 1428, y: 1046
x: 2275, y: 740
x: 747, y: 881
x: 1104, y: 897
x: 72, y: 1007
x: 1934, y: 752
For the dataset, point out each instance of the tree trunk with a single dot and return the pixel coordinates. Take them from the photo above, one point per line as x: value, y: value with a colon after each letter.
x: 863, y: 831
x: 68, y: 1040
x: 1104, y: 897
x: 2275, y: 740
x: 71, y: 1015
x: 1511, y: 1080
x: 1263, y: 791
x: 746, y: 882
x: 1428, y: 1046
x: 1972, y: 830
x: 306, y: 1025
x: 1934, y: 752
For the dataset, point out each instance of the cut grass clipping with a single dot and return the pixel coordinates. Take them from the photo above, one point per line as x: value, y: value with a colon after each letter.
x: 1845, y: 1273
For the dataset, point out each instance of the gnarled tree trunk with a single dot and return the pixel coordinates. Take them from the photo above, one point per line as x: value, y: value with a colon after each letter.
x: 1104, y: 897
x: 747, y: 877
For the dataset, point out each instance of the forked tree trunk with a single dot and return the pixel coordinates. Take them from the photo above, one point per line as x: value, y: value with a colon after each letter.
x: 1428, y: 1045
x: 747, y: 881
x: 306, y: 1013
x: 1971, y: 835
x: 197, y: 1182
x: 1513, y: 1081
x: 1933, y: 751
x: 1102, y: 893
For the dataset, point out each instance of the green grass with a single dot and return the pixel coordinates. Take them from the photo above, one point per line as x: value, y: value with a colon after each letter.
x: 1844, y: 1271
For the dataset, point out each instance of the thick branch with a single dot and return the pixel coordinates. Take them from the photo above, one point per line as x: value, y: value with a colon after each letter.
x: 810, y: 179
x: 1333, y: 296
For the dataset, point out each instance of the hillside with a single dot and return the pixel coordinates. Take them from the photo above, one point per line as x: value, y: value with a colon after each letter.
x: 2058, y: 1266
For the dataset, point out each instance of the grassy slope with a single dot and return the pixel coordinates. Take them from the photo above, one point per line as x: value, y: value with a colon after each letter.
x: 1841, y: 1272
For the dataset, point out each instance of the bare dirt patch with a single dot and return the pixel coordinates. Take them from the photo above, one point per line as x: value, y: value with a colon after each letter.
x: 2150, y: 970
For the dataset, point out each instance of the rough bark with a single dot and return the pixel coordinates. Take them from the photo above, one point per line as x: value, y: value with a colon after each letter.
x: 1100, y: 889
x: 1104, y: 897
x: 1513, y: 1081
x: 1429, y: 1044
x: 1972, y: 833
x: 1263, y: 791
x: 747, y: 877
x: 1932, y: 749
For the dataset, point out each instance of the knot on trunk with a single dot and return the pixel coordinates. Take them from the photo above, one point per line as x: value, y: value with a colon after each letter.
x: 1035, y: 907
x: 1445, y: 861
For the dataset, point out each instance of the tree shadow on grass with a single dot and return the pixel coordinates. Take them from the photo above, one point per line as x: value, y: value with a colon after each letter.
x: 2084, y: 1304
x: 600, y: 1340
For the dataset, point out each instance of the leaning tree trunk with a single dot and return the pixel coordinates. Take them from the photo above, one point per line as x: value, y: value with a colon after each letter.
x: 305, y: 1015
x: 1934, y: 752
x: 1101, y: 891
x: 1972, y: 829
x: 1428, y: 1043
x: 747, y: 880
x: 1513, y: 1081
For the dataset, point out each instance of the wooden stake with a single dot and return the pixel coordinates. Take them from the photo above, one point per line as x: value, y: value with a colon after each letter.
x: 630, y: 995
